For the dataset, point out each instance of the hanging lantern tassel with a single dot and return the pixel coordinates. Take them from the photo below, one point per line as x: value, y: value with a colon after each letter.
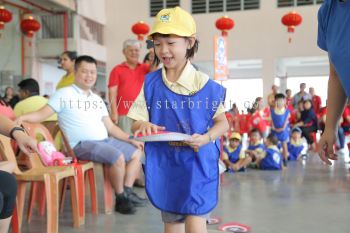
x: 290, y: 30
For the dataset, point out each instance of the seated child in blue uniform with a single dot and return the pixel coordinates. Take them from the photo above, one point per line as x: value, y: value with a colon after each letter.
x: 268, y: 159
x: 280, y: 124
x: 255, y: 148
x: 233, y: 154
x: 295, y: 146
x: 271, y: 159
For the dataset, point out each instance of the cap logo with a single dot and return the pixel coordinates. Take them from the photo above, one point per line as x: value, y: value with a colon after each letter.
x: 165, y: 18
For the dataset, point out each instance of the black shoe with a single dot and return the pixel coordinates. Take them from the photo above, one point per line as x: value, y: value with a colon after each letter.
x: 123, y: 205
x: 284, y: 162
x: 134, y: 198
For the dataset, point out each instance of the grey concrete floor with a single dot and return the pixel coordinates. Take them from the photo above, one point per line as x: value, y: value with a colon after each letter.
x: 308, y: 197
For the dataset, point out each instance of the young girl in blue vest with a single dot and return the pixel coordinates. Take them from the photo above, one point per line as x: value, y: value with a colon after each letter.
x: 181, y: 178
x: 255, y: 149
x: 272, y: 157
x: 233, y: 154
x: 295, y: 146
x: 280, y: 124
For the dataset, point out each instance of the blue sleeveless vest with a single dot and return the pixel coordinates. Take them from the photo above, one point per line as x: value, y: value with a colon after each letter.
x: 179, y: 180
x: 234, y: 155
x: 294, y: 150
x: 278, y: 121
x: 254, y: 147
x: 272, y: 160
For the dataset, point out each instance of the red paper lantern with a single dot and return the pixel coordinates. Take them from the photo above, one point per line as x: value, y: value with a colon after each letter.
x: 140, y: 29
x: 291, y: 20
x: 29, y: 26
x: 224, y: 24
x: 5, y: 17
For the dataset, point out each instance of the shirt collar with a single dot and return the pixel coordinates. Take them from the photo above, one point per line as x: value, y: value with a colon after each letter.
x: 230, y: 149
x: 273, y: 147
x: 297, y: 142
x: 280, y: 111
x: 186, y: 79
x: 256, y: 143
x: 126, y: 64
x: 81, y: 91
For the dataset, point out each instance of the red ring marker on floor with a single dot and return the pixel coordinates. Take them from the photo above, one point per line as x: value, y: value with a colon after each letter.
x: 234, y: 227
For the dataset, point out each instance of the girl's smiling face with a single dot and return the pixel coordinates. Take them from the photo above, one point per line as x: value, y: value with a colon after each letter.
x: 171, y: 50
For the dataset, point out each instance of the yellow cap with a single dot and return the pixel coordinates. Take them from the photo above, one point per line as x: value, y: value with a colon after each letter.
x: 174, y: 21
x: 235, y: 135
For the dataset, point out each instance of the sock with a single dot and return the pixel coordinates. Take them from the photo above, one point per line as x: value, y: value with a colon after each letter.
x: 127, y: 190
x: 120, y: 195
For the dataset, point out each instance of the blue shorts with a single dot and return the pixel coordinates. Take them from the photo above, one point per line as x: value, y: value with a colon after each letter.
x: 105, y: 151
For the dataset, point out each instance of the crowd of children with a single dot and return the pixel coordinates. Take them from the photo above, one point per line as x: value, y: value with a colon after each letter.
x: 275, y: 133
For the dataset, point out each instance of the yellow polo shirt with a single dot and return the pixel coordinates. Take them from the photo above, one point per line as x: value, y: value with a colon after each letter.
x: 189, y: 82
x: 66, y: 81
x: 32, y: 104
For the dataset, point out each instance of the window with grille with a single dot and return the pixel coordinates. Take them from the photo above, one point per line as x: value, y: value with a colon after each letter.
x: 304, y: 2
x: 251, y: 4
x: 199, y: 6
x: 216, y: 5
x: 233, y: 5
x: 204, y: 6
x: 157, y: 5
x: 289, y: 3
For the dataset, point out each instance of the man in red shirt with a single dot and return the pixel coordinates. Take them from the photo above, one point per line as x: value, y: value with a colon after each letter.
x: 125, y: 83
x: 316, y: 100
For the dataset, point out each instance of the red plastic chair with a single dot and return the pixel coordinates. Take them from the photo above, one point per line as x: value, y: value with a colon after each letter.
x: 83, y: 170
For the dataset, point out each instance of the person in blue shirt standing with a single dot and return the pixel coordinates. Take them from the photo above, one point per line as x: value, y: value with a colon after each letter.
x: 334, y: 37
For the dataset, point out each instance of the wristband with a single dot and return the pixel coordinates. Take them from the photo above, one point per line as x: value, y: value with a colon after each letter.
x: 15, y: 129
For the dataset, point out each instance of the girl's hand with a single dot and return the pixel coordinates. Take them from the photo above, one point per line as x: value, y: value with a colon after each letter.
x: 146, y: 128
x: 326, y: 151
x: 198, y: 140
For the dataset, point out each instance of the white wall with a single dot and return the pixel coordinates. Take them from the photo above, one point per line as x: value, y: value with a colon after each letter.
x: 258, y: 34
x: 93, y: 9
x: 10, y: 45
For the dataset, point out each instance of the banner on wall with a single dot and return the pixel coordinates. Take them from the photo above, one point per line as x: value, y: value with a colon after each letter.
x: 220, y: 58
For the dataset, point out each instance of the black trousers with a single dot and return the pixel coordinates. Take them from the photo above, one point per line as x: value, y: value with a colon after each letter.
x: 8, y: 192
x: 306, y: 132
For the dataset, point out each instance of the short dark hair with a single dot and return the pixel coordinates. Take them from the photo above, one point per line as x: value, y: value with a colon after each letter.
x: 189, y: 53
x: 84, y: 58
x: 30, y: 85
x: 273, y: 139
x: 71, y: 54
x: 146, y: 58
x: 280, y: 96
x: 255, y: 130
x: 3, y: 102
